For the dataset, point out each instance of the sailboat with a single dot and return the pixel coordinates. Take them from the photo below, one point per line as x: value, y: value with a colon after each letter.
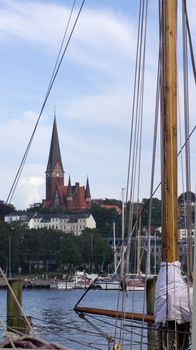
x: 168, y: 314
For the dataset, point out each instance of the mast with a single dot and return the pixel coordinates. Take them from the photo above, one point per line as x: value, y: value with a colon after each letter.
x: 139, y: 247
x: 114, y: 246
x: 123, y: 236
x: 176, y: 329
x: 169, y: 133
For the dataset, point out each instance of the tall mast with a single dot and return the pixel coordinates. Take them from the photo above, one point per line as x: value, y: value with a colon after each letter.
x: 114, y: 245
x: 123, y: 236
x: 169, y: 133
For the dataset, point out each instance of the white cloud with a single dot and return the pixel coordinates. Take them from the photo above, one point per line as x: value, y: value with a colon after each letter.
x: 44, y: 23
x: 32, y: 21
x: 29, y: 191
x: 92, y: 94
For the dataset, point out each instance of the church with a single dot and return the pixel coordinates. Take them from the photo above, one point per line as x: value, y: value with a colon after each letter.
x: 59, y: 195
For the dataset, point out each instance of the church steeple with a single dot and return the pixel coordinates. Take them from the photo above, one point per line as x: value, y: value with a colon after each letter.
x: 54, y: 171
x: 88, y: 194
x: 69, y: 195
x: 54, y: 154
x: 69, y: 189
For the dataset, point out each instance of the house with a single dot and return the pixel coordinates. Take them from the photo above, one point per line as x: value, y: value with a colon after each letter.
x: 69, y: 223
x: 20, y: 216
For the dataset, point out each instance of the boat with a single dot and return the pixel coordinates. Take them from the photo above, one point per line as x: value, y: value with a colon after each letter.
x: 114, y: 283
x: 168, y: 313
x: 80, y: 280
x: 170, y: 294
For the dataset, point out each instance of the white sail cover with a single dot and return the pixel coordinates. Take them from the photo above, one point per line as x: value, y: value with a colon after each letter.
x: 173, y: 298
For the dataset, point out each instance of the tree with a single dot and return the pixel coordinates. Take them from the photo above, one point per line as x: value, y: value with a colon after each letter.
x: 104, y: 219
x: 156, y: 212
x: 94, y: 249
x: 69, y: 254
x: 5, y: 209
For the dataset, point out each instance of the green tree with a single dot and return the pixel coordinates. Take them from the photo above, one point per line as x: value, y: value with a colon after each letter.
x: 104, y: 219
x: 5, y: 209
x: 156, y: 212
x: 94, y: 249
x: 69, y: 254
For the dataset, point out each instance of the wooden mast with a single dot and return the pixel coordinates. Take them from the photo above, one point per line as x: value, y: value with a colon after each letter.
x: 169, y: 133
x: 168, y: 151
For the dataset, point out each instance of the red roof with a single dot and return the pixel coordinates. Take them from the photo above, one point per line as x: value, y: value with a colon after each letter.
x: 108, y: 206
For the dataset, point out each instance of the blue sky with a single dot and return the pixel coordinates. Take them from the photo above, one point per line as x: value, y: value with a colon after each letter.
x: 92, y: 93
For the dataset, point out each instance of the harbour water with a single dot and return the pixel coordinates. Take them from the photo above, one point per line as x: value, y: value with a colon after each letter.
x: 54, y: 319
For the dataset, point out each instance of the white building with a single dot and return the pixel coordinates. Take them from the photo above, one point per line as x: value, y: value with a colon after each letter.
x: 183, y: 232
x: 68, y: 223
x: 19, y: 216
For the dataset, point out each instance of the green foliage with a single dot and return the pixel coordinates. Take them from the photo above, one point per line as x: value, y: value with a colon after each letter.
x: 156, y: 212
x: 104, y: 219
x: 94, y: 249
x: 55, y: 249
x: 69, y: 253
x: 65, y: 252
x: 113, y: 202
x: 5, y: 209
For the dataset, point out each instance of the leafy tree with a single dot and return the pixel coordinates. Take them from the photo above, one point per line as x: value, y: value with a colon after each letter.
x: 4, y: 246
x: 156, y: 212
x: 5, y: 209
x: 70, y: 254
x: 113, y: 202
x: 104, y: 219
x: 94, y: 249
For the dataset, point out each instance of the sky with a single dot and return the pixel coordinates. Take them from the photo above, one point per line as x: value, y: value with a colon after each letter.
x: 92, y: 94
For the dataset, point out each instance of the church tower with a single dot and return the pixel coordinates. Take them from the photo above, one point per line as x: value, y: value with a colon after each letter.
x: 67, y: 197
x: 54, y: 171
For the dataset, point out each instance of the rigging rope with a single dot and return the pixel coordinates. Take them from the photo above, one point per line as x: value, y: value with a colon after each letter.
x: 51, y: 83
x: 17, y: 302
x: 187, y: 155
x: 190, y: 40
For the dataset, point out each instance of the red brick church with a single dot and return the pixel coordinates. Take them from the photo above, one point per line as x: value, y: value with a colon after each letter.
x: 58, y: 195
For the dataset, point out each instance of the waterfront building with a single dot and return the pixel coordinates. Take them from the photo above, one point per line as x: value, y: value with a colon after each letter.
x: 73, y: 223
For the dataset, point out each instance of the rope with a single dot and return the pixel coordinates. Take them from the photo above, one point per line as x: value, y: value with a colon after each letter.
x: 190, y: 40
x: 187, y: 147
x: 16, y: 300
x: 7, y: 334
x: 187, y: 152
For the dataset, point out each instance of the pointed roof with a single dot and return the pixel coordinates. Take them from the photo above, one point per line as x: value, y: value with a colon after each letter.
x: 55, y: 154
x: 87, y: 192
x: 69, y: 189
x: 79, y: 197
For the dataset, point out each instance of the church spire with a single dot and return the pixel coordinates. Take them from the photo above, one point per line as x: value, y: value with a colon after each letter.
x: 54, y: 171
x: 55, y: 154
x: 87, y: 192
x: 69, y: 189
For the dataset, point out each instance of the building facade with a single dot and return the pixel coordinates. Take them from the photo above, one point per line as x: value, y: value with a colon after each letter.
x: 68, y: 223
